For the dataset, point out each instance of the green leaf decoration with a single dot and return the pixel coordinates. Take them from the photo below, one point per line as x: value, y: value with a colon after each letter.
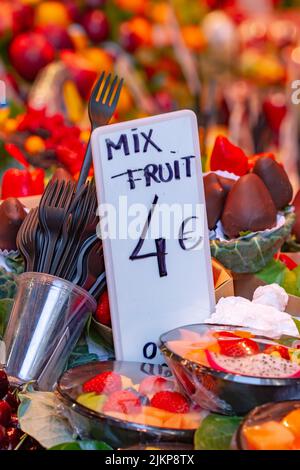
x: 273, y: 272
x: 80, y: 356
x: 15, y: 263
x: 5, y: 309
x: 82, y: 445
x: 251, y: 254
x: 39, y: 418
x: 216, y: 432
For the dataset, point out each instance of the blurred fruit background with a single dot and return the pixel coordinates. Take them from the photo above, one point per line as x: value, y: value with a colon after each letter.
x: 234, y: 62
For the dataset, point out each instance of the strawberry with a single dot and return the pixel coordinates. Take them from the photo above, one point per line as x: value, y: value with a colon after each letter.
x: 102, y: 314
x: 282, y: 350
x: 228, y: 157
x: 238, y: 347
x: 154, y: 384
x: 170, y: 401
x: 107, y: 382
x: 123, y: 401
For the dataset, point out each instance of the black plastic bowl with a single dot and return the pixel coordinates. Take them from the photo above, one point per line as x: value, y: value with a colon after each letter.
x: 221, y: 392
x: 261, y: 414
x: 115, y: 432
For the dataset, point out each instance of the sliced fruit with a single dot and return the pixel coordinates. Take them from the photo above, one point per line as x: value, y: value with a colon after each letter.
x: 92, y: 400
x: 238, y: 347
x: 292, y: 422
x: 279, y: 351
x: 153, y: 384
x: 170, y: 401
x: 123, y: 401
x: 107, y: 382
x: 269, y: 436
x: 258, y: 365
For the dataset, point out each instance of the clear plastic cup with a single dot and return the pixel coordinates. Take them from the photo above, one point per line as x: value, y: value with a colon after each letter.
x: 48, y: 316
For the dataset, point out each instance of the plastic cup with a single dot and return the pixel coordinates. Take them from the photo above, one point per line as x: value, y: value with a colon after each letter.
x: 48, y: 316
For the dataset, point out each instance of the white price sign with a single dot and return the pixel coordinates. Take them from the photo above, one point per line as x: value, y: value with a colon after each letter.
x: 154, y: 229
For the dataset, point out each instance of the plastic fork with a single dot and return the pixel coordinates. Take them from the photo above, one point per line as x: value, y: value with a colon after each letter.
x: 102, y: 105
x: 52, y: 213
x: 26, y: 238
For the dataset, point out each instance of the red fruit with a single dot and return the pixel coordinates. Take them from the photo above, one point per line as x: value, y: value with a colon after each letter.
x: 275, y: 109
x: 102, y: 314
x: 153, y: 384
x: 129, y: 40
x: 96, y: 25
x: 80, y: 71
x: 228, y: 157
x: 122, y: 401
x: 164, y: 100
x: 238, y: 347
x: 253, y: 158
x: 22, y: 17
x: 29, y: 53
x: 170, y: 401
x: 3, y: 384
x: 107, y: 382
x: 283, y: 351
x: 290, y: 264
x: 5, y: 413
x: 58, y: 36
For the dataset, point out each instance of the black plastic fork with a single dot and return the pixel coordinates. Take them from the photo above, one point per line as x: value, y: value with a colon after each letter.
x: 102, y: 105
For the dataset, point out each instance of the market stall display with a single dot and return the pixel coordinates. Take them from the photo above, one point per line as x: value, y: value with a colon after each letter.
x: 158, y: 77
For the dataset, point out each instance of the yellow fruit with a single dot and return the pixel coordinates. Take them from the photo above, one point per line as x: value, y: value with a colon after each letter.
x: 159, y: 12
x: 73, y: 102
x: 135, y: 6
x: 51, y: 13
x: 193, y: 37
x: 34, y: 144
x: 79, y: 37
x: 269, y: 436
x: 98, y: 59
x: 85, y: 135
x: 10, y: 125
x: 125, y: 101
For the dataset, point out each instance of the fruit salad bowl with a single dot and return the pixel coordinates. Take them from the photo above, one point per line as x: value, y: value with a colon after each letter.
x: 230, y: 369
x: 127, y: 403
x: 273, y: 426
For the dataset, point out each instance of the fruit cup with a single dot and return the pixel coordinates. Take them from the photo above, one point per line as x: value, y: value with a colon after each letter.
x: 46, y: 321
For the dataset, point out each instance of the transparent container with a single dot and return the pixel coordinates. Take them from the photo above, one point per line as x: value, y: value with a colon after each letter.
x: 46, y: 321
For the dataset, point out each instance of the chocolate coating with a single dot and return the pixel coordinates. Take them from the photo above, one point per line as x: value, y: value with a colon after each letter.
x: 226, y: 183
x: 296, y: 227
x: 215, y: 199
x: 248, y: 207
x: 12, y: 214
x: 276, y: 180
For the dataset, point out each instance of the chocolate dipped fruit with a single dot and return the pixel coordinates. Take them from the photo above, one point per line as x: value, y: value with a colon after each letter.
x: 226, y: 183
x: 215, y: 197
x: 248, y: 208
x: 276, y: 180
x: 12, y: 214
